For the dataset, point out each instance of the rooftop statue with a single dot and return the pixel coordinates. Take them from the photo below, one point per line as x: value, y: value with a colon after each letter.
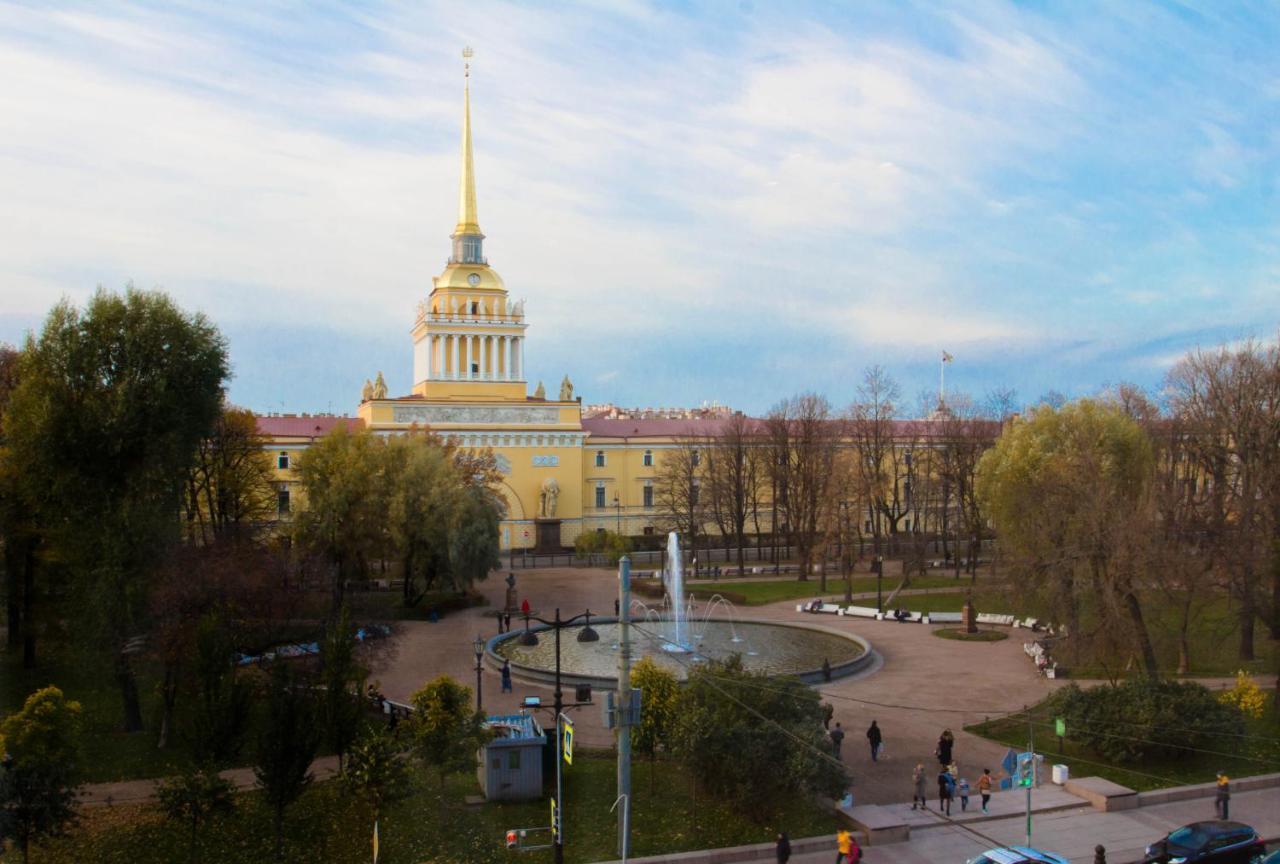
x: 379, y: 387
x: 540, y: 392
x: 366, y: 392
x: 566, y: 390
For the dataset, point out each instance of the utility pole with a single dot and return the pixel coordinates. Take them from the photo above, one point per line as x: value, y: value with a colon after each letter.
x: 624, y: 706
x: 1031, y: 766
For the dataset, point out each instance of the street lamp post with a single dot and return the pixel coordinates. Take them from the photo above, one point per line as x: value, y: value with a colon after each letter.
x: 617, y: 503
x: 586, y: 634
x: 478, y: 645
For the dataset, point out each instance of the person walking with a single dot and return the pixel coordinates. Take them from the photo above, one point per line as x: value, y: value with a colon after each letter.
x: 945, y: 784
x: 782, y: 848
x: 506, y: 622
x: 946, y: 741
x: 845, y: 847
x: 873, y: 738
x: 963, y: 788
x: 826, y: 669
x: 984, y: 788
x: 918, y: 787
x: 506, y: 676
x: 828, y: 713
x: 837, y: 738
x: 1222, y: 798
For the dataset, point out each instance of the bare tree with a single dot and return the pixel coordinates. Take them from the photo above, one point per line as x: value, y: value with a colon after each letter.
x: 680, y: 498
x: 732, y: 478
x: 882, y: 462
x: 1228, y: 401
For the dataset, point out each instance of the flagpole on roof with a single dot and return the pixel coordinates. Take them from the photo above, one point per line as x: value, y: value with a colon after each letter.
x: 942, y: 379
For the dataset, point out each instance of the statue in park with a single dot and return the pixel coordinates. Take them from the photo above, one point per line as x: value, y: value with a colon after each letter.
x: 379, y: 387
x: 547, y: 498
x: 566, y: 390
x: 540, y: 392
x: 366, y: 392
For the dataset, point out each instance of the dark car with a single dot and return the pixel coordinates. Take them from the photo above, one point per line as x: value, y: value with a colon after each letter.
x: 1219, y: 842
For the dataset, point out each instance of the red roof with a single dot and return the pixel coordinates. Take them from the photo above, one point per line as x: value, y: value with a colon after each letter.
x: 623, y: 427
x: 294, y: 426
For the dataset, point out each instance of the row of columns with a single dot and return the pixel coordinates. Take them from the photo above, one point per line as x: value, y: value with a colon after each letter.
x: 497, y: 358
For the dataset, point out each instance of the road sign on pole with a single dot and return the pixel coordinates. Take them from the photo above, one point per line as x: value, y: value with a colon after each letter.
x: 567, y: 742
x: 555, y: 817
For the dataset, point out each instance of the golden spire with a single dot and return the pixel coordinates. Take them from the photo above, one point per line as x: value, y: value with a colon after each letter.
x: 468, y: 221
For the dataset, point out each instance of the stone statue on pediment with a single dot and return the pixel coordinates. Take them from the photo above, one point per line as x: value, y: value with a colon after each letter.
x: 540, y: 392
x: 566, y: 390
x: 366, y: 392
x: 379, y: 387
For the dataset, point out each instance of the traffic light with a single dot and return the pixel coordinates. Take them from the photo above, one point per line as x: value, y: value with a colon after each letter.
x: 513, y: 840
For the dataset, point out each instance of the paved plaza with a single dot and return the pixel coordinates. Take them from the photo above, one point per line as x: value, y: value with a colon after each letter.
x: 922, y: 685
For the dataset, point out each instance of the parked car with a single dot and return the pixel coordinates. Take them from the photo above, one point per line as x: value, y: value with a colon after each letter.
x: 1218, y: 842
x: 1273, y: 858
x: 1017, y: 855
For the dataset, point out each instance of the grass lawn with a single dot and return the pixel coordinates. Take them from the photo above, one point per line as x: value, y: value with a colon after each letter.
x: 760, y: 592
x: 326, y: 825
x: 1257, y: 753
x: 108, y: 753
x: 965, y: 636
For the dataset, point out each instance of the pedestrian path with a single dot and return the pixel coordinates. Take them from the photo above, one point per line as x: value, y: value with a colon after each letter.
x: 1071, y: 831
x: 138, y: 791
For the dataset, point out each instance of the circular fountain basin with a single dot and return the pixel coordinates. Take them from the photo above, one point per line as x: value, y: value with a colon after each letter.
x: 773, y: 649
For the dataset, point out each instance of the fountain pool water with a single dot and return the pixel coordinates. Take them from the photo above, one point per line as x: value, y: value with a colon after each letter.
x: 678, y: 641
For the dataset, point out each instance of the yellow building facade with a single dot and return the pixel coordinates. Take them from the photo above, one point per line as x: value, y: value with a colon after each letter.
x: 562, y: 475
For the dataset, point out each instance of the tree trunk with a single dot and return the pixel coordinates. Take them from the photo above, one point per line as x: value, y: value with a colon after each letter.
x: 128, y: 694
x: 13, y: 594
x: 1140, y: 632
x: 1274, y: 623
x: 277, y: 822
x: 1247, y: 615
x: 169, y: 695
x: 29, y: 606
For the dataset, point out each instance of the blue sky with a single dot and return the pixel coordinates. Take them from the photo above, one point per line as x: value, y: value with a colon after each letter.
x: 723, y: 201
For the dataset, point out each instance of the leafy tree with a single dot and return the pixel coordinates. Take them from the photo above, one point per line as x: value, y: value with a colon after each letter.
x: 287, y: 747
x: 423, y: 497
x: 230, y: 486
x: 196, y: 797
x: 754, y: 741
x: 375, y: 771
x: 340, y: 678
x: 607, y: 543
x: 661, y: 694
x: 19, y: 534
x: 445, y: 731
x: 222, y: 697
x: 1067, y: 491
x: 39, y: 746
x: 346, y: 490
x: 473, y: 547
x: 106, y: 419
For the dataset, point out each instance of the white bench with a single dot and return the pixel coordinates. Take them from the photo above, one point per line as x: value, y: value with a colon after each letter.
x: 943, y: 618
x: 860, y: 611
x: 992, y: 618
x: 825, y: 608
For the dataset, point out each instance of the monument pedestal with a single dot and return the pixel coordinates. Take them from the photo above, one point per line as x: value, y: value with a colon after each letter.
x: 968, y: 617
x: 548, y: 535
x: 513, y: 602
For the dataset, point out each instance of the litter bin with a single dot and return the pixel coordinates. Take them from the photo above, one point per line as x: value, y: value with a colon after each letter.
x: 1060, y: 774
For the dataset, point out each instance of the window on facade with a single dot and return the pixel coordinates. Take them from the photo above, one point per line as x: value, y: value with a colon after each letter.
x: 475, y: 367
x: 908, y: 524
x: 475, y: 308
x: 648, y: 458
x: 648, y: 496
x: 599, y: 458
x: 513, y: 760
x: 866, y: 527
x: 695, y: 457
x: 282, y: 461
x: 693, y: 495
x: 282, y: 501
x: 599, y: 497
x: 648, y: 530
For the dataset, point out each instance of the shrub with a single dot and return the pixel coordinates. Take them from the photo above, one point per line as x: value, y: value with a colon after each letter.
x: 1246, y: 696
x: 1127, y: 722
x: 608, y: 543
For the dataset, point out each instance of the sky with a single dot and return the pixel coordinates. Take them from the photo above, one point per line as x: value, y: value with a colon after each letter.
x: 728, y: 202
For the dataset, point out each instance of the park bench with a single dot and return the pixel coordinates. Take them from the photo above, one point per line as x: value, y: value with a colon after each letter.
x: 825, y: 608
x: 992, y: 618
x: 943, y: 618
x: 860, y: 611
